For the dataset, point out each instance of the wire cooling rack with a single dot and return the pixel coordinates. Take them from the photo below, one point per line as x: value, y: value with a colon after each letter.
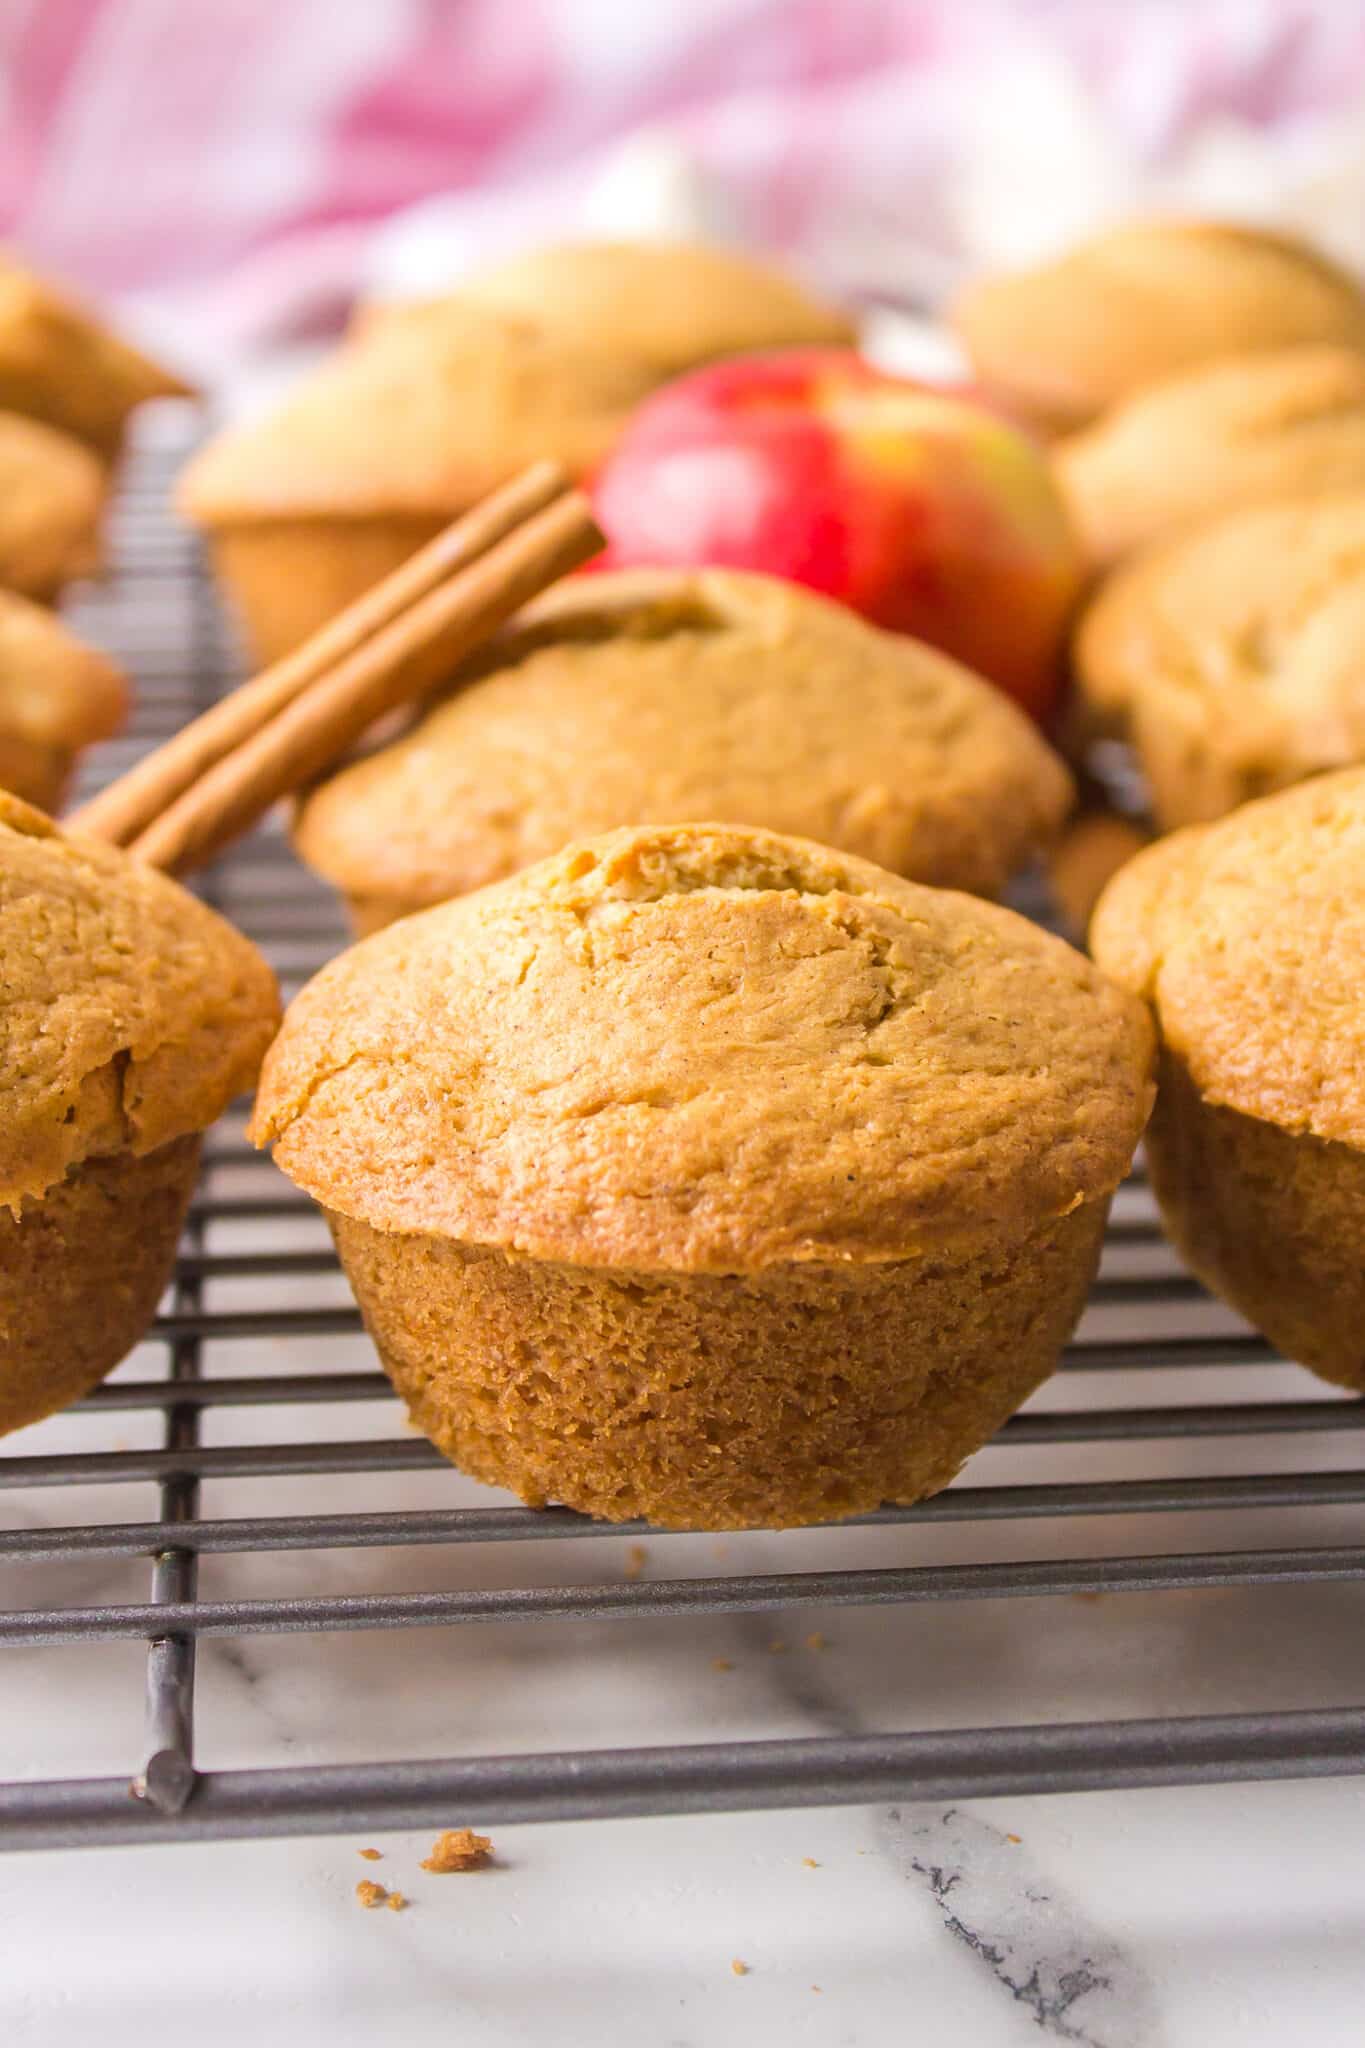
x: 158, y: 612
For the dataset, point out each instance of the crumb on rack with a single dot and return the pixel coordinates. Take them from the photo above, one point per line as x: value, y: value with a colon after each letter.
x: 458, y: 1849
x: 721, y: 1664
x: 396, y: 1902
x: 371, y: 1894
x: 815, y: 1641
x: 637, y: 1557
x: 809, y: 1863
x: 371, y: 1855
x: 740, y: 1969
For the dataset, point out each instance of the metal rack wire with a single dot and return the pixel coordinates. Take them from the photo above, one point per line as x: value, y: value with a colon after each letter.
x: 158, y: 611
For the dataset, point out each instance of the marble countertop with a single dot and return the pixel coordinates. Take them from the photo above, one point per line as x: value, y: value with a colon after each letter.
x: 1188, y: 1919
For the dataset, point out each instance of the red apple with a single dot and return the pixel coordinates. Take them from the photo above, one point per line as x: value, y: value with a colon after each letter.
x: 918, y: 506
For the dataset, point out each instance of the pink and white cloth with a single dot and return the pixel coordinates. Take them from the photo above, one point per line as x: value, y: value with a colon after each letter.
x: 234, y: 172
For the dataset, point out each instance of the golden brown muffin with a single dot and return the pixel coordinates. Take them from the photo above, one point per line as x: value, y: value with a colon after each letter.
x: 130, y: 1017
x: 1238, y: 432
x: 382, y: 446
x: 56, y: 696
x: 1247, y: 938
x: 59, y: 364
x: 663, y: 695
x: 709, y: 1175
x: 1234, y: 656
x: 669, y: 305
x: 51, y: 497
x: 1061, y: 343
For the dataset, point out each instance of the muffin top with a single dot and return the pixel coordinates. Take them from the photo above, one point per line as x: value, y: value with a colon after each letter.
x: 671, y: 305
x: 55, y: 691
x: 131, y: 1014
x: 421, y: 416
x: 661, y: 695
x: 1143, y: 302
x: 705, y: 1048
x: 1243, y: 641
x: 59, y: 364
x: 1247, y: 937
x: 51, y: 495
x: 1233, y: 433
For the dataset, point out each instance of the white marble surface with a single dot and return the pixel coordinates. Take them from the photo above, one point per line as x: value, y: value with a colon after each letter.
x: 1189, y: 1919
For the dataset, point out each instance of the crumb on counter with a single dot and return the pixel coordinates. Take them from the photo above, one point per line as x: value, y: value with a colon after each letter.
x: 397, y: 1902
x: 740, y: 1969
x: 458, y: 1849
x: 1016, y: 1839
x: 777, y: 1646
x: 637, y: 1557
x: 371, y: 1894
x: 816, y: 1641
x: 371, y: 1855
x: 809, y: 1863
x: 721, y: 1664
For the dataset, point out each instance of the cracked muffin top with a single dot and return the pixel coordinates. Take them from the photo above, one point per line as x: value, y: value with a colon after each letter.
x: 130, y: 1013
x: 703, y: 1048
x: 418, y: 414
x: 1067, y: 339
x: 1237, y: 432
x: 659, y: 696
x: 1235, y: 655
x: 1247, y: 938
x: 51, y: 497
x: 672, y: 305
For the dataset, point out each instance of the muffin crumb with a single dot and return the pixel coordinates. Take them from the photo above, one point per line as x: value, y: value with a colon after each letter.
x: 721, y: 1664
x: 809, y: 1863
x: 458, y: 1849
x: 637, y: 1557
x: 397, y: 1902
x: 371, y: 1894
x: 370, y: 1855
x: 816, y: 1641
x: 1016, y: 1839
x: 740, y: 1969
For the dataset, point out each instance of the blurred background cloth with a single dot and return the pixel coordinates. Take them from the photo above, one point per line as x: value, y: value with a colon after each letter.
x: 232, y: 174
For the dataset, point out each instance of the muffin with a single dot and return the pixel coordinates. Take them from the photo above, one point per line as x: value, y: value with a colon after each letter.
x: 56, y: 696
x: 1239, y: 432
x: 1061, y: 343
x: 131, y: 1015
x: 383, y: 445
x: 1247, y: 938
x: 668, y: 305
x: 61, y: 365
x: 708, y: 1175
x: 663, y: 695
x: 1233, y: 657
x: 51, y: 498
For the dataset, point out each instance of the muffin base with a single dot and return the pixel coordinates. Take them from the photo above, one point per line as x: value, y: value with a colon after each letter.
x: 287, y: 577
x: 81, y: 1272
x: 766, y: 1400
x: 1272, y: 1220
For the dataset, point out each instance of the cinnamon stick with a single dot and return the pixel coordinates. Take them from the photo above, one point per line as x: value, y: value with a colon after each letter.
x: 326, y: 715
x: 128, y: 808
